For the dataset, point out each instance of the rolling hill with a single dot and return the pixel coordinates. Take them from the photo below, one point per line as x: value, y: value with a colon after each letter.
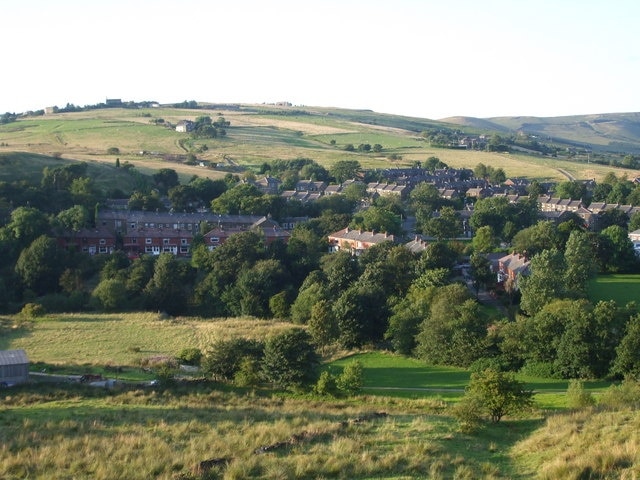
x: 263, y: 133
x: 608, y: 132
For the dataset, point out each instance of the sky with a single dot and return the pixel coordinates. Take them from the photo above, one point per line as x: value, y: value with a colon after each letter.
x: 423, y: 58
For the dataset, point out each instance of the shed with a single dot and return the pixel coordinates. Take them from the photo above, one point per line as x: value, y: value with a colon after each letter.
x: 14, y: 366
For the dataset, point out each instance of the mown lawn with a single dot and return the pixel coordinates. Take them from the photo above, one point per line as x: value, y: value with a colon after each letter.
x: 621, y: 288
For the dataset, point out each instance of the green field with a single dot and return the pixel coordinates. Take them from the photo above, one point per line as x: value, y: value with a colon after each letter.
x: 621, y: 288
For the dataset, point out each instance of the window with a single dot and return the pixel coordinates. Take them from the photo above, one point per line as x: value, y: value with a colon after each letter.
x: 147, y: 241
x: 103, y: 241
x: 134, y: 240
x: 103, y: 250
x: 148, y: 249
x: 183, y: 241
x: 184, y: 249
x: 165, y: 241
x: 215, y: 239
x: 133, y: 225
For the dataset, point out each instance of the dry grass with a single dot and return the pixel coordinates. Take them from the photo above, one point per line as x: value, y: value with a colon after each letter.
x: 141, y: 435
x: 124, y: 339
x: 584, y: 444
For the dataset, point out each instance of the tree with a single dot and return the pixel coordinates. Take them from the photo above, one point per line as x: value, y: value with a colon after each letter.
x: 453, y: 331
x: 165, y: 179
x: 290, y: 360
x: 498, y: 393
x: 168, y: 288
x: 239, y: 200
x: 580, y: 260
x: 615, y: 250
x: 484, y: 241
x: 345, y: 169
x: 351, y: 379
x: 481, y: 272
x: 536, y: 238
x: 445, y: 225
x: 224, y: 357
x: 40, y: 265
x: 27, y: 224
x: 544, y: 283
x: 627, y: 361
x: 408, y: 314
x: 73, y: 219
x: 323, y: 327
x: 110, y: 294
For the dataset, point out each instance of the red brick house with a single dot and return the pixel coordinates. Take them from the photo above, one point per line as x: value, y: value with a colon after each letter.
x: 154, y: 241
x: 356, y: 241
x: 99, y: 240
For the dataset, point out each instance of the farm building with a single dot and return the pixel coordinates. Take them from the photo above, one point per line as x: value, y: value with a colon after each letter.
x: 14, y: 366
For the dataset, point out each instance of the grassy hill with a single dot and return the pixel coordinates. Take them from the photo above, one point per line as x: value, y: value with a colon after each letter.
x: 609, y: 132
x: 263, y: 133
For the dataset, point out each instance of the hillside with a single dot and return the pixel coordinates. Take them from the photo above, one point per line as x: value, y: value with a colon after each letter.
x: 608, y: 132
x: 263, y: 133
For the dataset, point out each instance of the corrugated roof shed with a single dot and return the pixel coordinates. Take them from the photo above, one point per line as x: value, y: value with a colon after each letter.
x: 13, y: 357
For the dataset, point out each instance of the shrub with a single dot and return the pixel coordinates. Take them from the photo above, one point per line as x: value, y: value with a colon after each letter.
x: 225, y: 357
x: 468, y: 413
x: 33, y: 310
x: 351, y: 379
x: 190, y: 356
x: 538, y: 369
x: 113, y: 151
x: 577, y: 397
x: 326, y: 384
x: 248, y: 373
x: 625, y: 395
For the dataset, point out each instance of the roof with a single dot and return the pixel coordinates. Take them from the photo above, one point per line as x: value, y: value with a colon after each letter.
x: 359, y: 235
x: 13, y: 357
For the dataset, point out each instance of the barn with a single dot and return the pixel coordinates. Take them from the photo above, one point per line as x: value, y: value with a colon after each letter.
x: 14, y: 367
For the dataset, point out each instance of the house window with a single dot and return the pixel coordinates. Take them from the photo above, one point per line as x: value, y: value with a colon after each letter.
x: 184, y: 249
x: 103, y: 241
x: 188, y: 226
x: 134, y: 240
x: 133, y: 225
x: 148, y: 249
x: 215, y: 239
x: 165, y: 241
x: 147, y: 241
x: 183, y: 241
x: 103, y: 250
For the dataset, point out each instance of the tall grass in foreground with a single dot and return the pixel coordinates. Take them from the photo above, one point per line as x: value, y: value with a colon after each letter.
x: 585, y: 444
x: 85, y: 433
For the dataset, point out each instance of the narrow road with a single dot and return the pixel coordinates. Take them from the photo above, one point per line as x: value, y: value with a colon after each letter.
x: 566, y: 174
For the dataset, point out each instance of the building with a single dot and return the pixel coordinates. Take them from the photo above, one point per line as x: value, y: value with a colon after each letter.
x: 511, y: 267
x: 14, y: 367
x: 185, y: 126
x: 356, y: 241
x: 99, y: 240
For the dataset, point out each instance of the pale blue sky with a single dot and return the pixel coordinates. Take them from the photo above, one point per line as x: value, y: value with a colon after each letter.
x: 429, y: 58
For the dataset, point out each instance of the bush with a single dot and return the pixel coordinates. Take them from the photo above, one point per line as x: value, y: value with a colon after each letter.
x: 190, y: 356
x: 225, y: 357
x: 468, y: 413
x: 113, y: 151
x: 33, y: 310
x: 625, y: 395
x: 351, y: 379
x: 248, y: 374
x: 326, y: 384
x: 577, y: 397
x: 538, y: 369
